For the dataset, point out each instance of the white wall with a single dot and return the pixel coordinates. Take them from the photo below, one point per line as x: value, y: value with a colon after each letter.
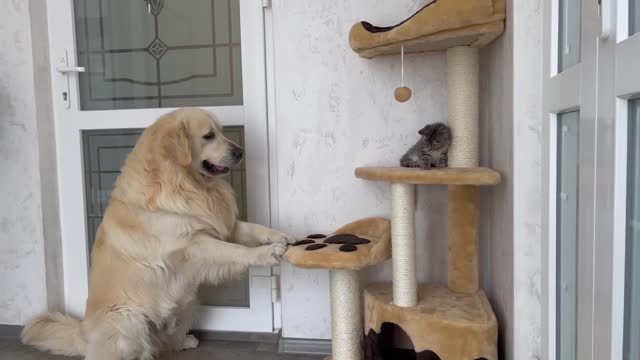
x: 496, y: 143
x: 22, y: 265
x: 335, y: 112
x: 527, y: 176
x: 511, y: 116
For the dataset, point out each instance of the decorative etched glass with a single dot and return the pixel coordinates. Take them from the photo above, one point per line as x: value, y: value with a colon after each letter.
x: 158, y: 53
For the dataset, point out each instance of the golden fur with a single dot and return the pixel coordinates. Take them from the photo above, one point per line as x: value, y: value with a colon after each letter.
x: 170, y: 226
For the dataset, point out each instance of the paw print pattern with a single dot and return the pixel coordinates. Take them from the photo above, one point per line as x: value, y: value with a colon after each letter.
x: 347, y: 242
x: 304, y: 242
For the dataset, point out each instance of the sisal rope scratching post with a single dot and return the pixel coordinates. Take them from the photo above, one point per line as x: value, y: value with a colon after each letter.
x: 403, y: 239
x: 346, y: 317
x: 463, y: 85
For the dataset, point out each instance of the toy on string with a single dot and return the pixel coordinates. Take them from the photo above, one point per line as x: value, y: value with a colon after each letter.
x: 402, y: 93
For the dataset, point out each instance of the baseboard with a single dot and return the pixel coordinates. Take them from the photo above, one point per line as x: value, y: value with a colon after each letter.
x: 285, y: 345
x: 269, y: 338
x: 10, y: 331
x: 305, y: 346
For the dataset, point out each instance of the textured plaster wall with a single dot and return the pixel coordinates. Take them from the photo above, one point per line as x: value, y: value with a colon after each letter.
x: 511, y: 238
x: 527, y: 160
x: 496, y: 142
x: 334, y: 112
x: 22, y: 264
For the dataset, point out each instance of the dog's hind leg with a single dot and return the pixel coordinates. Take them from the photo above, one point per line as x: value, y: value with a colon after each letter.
x: 120, y: 336
x: 176, y: 337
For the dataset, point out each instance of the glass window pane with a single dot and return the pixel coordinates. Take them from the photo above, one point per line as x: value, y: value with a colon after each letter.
x: 567, y: 235
x: 158, y: 53
x: 634, y: 16
x: 632, y: 261
x: 568, y: 34
x: 104, y: 154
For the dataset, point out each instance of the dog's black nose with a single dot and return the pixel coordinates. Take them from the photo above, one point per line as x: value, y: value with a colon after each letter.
x: 237, y: 152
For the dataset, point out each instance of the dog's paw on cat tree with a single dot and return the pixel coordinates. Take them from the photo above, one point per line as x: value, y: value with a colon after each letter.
x: 353, y: 247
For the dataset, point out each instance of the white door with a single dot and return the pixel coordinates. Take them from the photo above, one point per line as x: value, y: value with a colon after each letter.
x: 116, y: 66
x: 593, y: 274
x: 617, y: 280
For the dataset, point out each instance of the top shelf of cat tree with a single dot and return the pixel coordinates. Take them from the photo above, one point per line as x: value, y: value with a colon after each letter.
x: 479, y: 176
x: 440, y: 25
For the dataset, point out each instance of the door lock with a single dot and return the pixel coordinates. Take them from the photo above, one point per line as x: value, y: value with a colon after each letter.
x: 65, y: 69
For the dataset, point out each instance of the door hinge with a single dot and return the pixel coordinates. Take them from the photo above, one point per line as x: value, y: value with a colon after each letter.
x: 266, y: 4
x: 275, y: 288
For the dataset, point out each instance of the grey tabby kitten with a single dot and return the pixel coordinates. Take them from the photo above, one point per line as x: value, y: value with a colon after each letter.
x: 431, y: 149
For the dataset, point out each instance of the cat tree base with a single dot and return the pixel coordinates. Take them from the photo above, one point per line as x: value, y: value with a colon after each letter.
x: 454, y: 326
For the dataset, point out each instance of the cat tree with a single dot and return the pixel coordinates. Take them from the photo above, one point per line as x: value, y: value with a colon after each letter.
x: 455, y: 321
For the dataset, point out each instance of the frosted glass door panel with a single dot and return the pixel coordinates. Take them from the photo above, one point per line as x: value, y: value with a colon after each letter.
x: 158, y: 53
x: 632, y: 261
x: 104, y: 154
x: 634, y: 16
x: 568, y: 34
x: 567, y: 235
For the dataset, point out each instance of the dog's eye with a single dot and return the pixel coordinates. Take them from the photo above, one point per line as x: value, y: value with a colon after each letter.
x: 209, y: 136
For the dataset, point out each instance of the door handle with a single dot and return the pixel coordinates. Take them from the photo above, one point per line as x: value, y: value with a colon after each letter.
x: 69, y: 69
x: 64, y: 67
x: 604, y: 10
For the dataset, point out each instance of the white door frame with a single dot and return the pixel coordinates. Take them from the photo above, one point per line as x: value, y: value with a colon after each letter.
x: 572, y: 89
x: 620, y: 81
x: 70, y: 121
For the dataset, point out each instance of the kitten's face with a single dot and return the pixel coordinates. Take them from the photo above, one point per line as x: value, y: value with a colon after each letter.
x: 435, y: 136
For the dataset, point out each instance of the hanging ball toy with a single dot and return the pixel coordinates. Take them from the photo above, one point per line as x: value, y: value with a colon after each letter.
x: 402, y: 92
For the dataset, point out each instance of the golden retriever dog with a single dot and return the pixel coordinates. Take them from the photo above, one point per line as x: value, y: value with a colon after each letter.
x: 169, y: 227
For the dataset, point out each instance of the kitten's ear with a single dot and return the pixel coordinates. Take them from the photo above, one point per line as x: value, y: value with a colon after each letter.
x: 424, y: 131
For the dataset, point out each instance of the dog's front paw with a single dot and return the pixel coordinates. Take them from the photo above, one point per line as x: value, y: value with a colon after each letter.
x: 276, y: 236
x: 190, y: 342
x: 269, y: 255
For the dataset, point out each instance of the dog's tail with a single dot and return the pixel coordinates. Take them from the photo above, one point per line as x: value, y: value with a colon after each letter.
x: 55, y: 332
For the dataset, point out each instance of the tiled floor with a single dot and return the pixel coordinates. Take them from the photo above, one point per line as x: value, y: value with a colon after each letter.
x: 208, y: 350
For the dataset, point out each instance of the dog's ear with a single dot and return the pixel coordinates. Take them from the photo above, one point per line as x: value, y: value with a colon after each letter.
x: 177, y: 146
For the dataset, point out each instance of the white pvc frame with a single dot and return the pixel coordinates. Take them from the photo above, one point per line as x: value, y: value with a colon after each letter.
x: 627, y: 85
x: 562, y: 93
x: 616, y: 80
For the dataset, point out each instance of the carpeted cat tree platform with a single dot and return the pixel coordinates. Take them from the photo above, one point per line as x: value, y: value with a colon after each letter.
x: 455, y: 321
